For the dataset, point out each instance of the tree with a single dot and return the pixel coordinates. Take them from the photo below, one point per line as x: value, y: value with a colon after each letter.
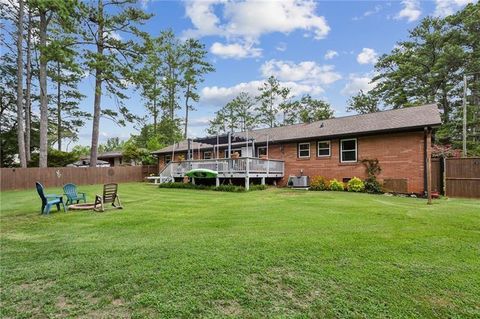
x: 194, y: 68
x: 363, y: 103
x: 67, y: 115
x: 20, y: 109
x: 271, y: 94
x: 311, y: 110
x: 112, y: 144
x: 49, y: 48
x: 171, y: 68
x: 112, y: 58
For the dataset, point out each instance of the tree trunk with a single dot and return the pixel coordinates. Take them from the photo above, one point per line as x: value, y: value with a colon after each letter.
x: 59, y: 110
x: 28, y: 98
x: 98, y: 89
x: 43, y: 92
x: 155, y: 111
x: 20, y: 128
x: 186, y: 112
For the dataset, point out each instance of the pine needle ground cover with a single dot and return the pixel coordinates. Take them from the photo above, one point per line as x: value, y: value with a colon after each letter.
x: 275, y: 253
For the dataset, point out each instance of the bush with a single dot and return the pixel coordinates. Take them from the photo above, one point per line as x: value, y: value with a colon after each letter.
x: 318, y: 183
x: 258, y: 187
x: 229, y: 188
x: 355, y: 185
x: 335, y: 185
x: 372, y: 186
x: 184, y: 186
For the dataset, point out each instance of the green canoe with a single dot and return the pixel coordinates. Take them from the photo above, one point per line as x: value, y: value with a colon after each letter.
x: 202, y: 173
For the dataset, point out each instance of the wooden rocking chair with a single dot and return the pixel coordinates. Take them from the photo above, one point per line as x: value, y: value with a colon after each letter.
x: 109, y: 196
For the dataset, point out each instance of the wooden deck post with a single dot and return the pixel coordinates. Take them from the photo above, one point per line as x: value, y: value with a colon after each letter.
x: 247, y: 183
x: 217, y: 182
x: 263, y: 181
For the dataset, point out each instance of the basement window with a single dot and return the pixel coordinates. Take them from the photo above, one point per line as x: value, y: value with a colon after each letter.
x: 323, y: 149
x: 303, y: 150
x: 348, y: 150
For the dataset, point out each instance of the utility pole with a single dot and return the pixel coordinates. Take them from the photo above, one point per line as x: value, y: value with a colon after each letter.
x: 464, y: 116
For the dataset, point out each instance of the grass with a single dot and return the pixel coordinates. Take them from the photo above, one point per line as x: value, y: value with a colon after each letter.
x: 276, y: 253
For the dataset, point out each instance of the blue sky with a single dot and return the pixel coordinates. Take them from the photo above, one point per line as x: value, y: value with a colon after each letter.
x: 326, y: 49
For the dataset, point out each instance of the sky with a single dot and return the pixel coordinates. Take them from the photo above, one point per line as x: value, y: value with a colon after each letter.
x: 324, y: 48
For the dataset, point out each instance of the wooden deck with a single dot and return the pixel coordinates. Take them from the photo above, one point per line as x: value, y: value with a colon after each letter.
x: 244, y: 167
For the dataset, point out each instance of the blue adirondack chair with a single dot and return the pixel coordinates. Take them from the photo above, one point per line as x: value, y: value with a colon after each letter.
x: 48, y: 200
x: 70, y: 190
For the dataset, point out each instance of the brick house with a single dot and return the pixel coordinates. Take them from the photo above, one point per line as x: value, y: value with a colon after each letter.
x: 400, y: 139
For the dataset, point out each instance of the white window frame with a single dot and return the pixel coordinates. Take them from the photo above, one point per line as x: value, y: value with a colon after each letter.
x: 324, y: 148
x: 262, y: 147
x: 207, y: 152
x: 298, y: 147
x: 342, y: 150
x: 165, y: 158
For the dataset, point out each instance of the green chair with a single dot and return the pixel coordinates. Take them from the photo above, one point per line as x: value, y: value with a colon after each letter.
x: 70, y: 190
x: 49, y: 200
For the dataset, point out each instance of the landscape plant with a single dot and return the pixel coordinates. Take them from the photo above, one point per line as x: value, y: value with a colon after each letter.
x: 355, y: 185
x: 371, y: 183
x: 319, y: 183
x: 335, y: 185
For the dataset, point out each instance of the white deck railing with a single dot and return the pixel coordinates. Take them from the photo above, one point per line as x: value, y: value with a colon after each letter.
x: 241, y: 166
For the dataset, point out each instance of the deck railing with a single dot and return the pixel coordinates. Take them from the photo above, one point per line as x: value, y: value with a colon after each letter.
x: 224, y: 166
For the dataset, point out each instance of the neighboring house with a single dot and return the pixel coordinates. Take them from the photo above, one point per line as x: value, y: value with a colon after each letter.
x: 400, y: 139
x: 106, y: 159
x: 85, y: 162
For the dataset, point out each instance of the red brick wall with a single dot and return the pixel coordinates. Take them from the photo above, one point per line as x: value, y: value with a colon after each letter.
x: 400, y: 155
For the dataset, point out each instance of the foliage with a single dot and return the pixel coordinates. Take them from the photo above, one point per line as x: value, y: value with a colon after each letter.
x: 355, y: 185
x: 131, y: 152
x: 445, y: 151
x: 238, y: 114
x: 221, y: 188
x: 271, y: 94
x: 319, y: 183
x: 56, y: 158
x: 229, y: 188
x: 311, y: 110
x: 258, y: 187
x: 81, y: 150
x: 112, y: 144
x: 371, y: 183
x: 363, y: 103
x: 335, y: 185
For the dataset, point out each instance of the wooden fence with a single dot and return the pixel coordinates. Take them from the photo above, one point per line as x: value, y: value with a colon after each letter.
x: 25, y: 178
x: 462, y: 177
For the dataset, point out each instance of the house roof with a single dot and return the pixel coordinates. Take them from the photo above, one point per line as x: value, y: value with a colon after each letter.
x: 110, y: 154
x: 404, y: 119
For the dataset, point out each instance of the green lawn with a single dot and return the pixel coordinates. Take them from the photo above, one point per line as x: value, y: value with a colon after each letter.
x: 275, y: 253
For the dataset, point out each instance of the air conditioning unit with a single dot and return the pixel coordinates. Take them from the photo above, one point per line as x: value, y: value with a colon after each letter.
x: 299, y: 181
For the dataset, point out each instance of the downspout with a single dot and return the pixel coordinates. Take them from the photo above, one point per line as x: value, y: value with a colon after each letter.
x: 426, y: 132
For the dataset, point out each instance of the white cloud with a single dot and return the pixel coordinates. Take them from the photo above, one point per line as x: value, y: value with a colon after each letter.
x: 281, y: 46
x: 235, y: 50
x: 306, y: 72
x: 411, y: 11
x: 447, y: 7
x: 246, y: 21
x: 367, y: 56
x: 367, y: 13
x: 330, y: 54
x: 217, y: 96
x: 356, y: 83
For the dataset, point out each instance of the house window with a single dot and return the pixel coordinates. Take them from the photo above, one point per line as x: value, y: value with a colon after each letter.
x: 303, y: 150
x: 239, y: 150
x: 323, y: 148
x: 207, y: 155
x: 168, y: 159
x: 348, y: 150
x: 262, y: 150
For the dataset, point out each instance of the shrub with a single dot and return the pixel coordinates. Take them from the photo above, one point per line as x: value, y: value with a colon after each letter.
x: 258, y: 187
x: 184, y: 186
x: 335, y: 185
x: 372, y: 186
x: 229, y: 188
x: 355, y: 185
x: 318, y: 183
